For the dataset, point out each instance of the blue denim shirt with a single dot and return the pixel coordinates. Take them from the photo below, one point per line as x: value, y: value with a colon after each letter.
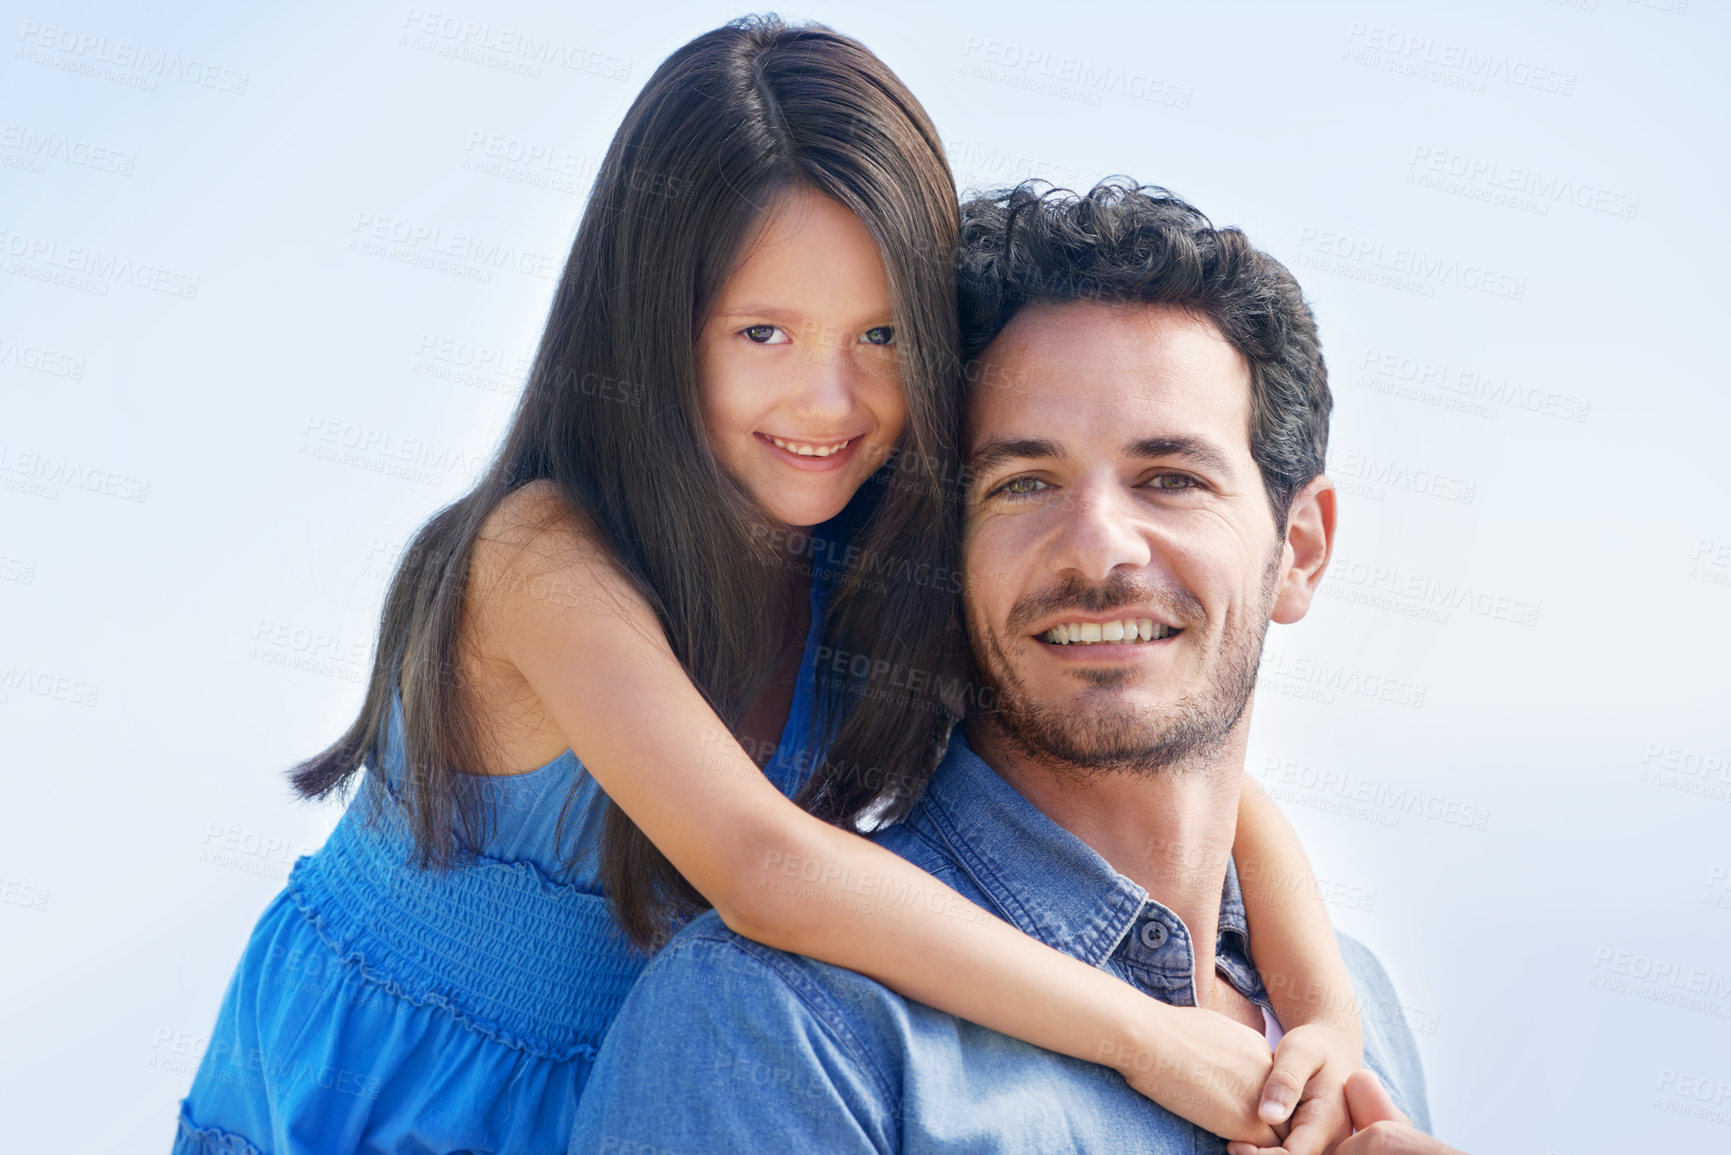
x: 728, y: 1045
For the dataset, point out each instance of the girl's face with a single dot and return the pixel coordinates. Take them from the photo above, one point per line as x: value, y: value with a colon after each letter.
x: 797, y: 365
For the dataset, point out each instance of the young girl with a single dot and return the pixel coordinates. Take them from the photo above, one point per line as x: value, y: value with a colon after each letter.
x: 724, y: 520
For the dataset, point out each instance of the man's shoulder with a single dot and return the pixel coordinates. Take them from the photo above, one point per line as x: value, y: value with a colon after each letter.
x: 745, y: 980
x: 1389, y: 1046
x: 913, y: 839
x: 723, y: 1042
x: 707, y: 946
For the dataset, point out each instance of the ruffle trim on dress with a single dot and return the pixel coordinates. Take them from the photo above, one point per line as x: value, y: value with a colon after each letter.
x: 191, y: 1139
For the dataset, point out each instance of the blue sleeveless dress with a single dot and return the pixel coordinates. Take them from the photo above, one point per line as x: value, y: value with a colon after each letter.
x: 381, y: 1008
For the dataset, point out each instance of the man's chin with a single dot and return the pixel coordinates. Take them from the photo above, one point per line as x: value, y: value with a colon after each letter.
x: 1113, y: 706
x: 1089, y: 734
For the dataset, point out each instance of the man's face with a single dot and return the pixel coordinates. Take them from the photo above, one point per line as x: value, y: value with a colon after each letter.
x: 1113, y: 500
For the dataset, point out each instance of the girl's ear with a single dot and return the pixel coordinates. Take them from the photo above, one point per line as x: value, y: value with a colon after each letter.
x: 1305, y: 553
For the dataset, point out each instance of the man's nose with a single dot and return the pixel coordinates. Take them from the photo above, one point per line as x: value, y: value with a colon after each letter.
x: 1100, y: 530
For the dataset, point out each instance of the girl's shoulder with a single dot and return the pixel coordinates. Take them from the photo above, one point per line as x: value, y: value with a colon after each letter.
x: 535, y: 550
x: 534, y: 517
x: 541, y: 593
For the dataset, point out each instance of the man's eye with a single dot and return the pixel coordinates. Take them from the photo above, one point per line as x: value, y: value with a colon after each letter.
x: 1176, y: 480
x: 1020, y: 487
x: 879, y: 335
x: 765, y: 335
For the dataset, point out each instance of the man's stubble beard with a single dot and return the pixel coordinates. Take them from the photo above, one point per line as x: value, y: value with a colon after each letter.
x: 1115, y: 739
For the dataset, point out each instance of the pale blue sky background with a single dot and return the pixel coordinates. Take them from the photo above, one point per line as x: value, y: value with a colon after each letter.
x: 188, y: 590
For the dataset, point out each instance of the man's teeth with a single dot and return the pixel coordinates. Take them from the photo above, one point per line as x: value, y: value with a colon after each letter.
x: 1128, y: 630
x: 811, y: 450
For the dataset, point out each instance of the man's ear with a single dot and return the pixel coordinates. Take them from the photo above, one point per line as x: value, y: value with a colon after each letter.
x: 1305, y: 553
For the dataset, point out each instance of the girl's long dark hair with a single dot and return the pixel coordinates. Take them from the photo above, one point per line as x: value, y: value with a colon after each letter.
x: 611, y: 416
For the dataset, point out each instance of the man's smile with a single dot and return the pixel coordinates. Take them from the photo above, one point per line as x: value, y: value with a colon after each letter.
x: 1091, y: 631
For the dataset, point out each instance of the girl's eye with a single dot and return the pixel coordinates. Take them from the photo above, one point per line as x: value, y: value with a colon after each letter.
x: 1020, y: 487
x: 880, y: 335
x: 765, y: 335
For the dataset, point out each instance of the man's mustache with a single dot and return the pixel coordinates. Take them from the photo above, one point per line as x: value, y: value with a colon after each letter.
x: 1117, y: 591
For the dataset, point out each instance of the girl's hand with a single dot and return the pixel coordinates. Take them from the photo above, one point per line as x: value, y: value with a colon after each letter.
x: 1310, y: 1069
x: 1381, y: 1128
x: 1207, y: 1069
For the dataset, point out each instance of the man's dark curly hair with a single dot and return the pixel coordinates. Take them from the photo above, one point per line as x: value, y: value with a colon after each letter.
x: 1128, y: 243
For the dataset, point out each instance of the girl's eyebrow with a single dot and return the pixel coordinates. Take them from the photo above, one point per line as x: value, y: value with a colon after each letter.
x: 758, y: 308
x: 791, y: 313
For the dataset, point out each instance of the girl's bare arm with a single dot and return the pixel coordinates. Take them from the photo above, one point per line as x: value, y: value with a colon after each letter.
x: 594, y: 655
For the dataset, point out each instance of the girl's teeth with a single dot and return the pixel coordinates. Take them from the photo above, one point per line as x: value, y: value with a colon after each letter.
x: 811, y: 450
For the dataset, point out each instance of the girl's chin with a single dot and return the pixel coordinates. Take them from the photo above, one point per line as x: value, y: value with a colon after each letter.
x: 798, y: 498
x: 805, y: 511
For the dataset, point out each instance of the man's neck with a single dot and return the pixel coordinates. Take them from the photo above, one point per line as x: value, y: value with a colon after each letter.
x: 1168, y: 830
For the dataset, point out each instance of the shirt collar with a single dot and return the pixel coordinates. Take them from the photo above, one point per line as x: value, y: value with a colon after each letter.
x: 1042, y: 878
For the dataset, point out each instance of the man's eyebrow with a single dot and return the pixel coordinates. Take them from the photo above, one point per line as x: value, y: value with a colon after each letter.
x: 1194, y: 448
x: 997, y: 451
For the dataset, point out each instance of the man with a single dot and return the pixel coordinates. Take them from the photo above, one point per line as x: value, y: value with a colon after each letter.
x: 1144, y: 495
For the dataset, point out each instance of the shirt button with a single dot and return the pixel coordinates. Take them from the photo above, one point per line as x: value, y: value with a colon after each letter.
x: 1154, y: 934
